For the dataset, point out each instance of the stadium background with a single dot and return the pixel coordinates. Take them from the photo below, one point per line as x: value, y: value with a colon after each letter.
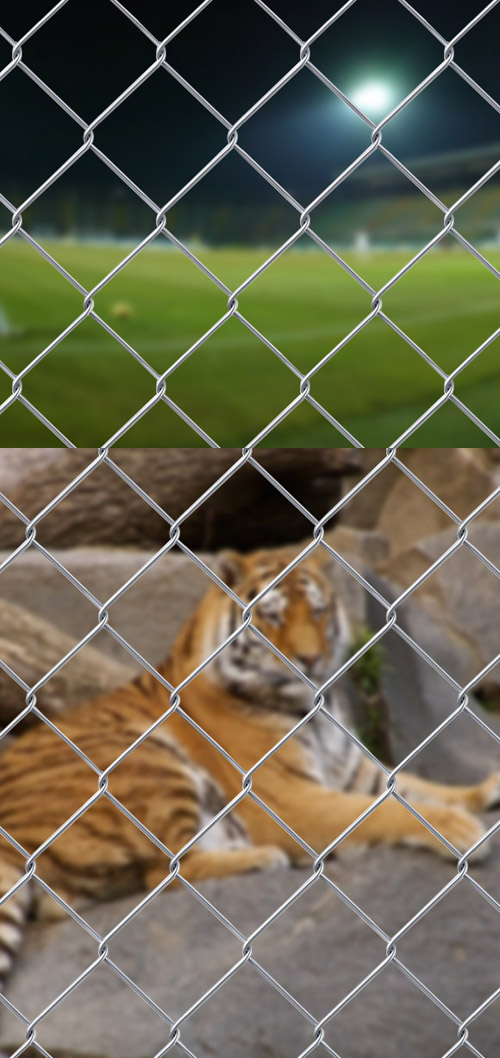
x: 305, y: 303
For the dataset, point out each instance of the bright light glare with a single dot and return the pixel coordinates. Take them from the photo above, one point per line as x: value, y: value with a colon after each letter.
x: 373, y: 98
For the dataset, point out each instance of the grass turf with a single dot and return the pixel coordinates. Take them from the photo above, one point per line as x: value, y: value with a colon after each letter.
x: 232, y: 385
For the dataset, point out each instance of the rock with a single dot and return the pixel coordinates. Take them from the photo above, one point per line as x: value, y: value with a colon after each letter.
x: 462, y: 597
x: 18, y: 463
x: 363, y: 510
x: 31, y: 647
x: 148, y: 615
x: 460, y: 477
x: 246, y: 512
x: 362, y: 549
x: 318, y: 950
x: 418, y: 699
x: 151, y: 612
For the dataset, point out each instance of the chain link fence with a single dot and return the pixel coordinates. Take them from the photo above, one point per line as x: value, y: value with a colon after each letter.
x: 461, y: 1030
x: 445, y: 391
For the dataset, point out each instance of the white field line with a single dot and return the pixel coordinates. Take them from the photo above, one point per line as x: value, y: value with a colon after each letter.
x: 290, y: 334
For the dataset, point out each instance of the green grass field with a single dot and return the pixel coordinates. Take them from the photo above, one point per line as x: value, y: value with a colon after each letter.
x: 233, y: 385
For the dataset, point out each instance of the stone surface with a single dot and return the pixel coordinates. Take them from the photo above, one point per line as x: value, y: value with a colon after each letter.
x: 418, y: 698
x: 318, y: 950
x: 148, y: 615
x: 31, y: 647
x: 462, y: 597
x: 246, y: 512
x: 363, y: 510
x: 153, y: 609
x: 460, y: 477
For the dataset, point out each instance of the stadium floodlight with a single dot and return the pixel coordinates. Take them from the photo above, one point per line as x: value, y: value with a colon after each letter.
x: 373, y: 98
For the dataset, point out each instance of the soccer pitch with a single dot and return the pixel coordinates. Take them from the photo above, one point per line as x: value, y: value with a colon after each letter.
x: 232, y: 385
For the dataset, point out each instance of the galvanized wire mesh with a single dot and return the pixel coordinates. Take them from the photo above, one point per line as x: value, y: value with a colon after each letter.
x: 444, y: 392
x: 459, y: 1029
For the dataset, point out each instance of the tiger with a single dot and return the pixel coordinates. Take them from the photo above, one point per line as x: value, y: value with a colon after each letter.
x: 294, y: 805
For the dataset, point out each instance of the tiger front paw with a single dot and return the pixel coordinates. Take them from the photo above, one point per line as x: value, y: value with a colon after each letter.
x: 272, y: 858
x: 489, y: 791
x: 461, y: 829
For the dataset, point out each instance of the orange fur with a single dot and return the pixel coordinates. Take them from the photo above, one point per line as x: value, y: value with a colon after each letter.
x: 175, y: 780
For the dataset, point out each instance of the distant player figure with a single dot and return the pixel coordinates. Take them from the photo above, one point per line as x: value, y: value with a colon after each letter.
x: 362, y: 242
x: 5, y: 328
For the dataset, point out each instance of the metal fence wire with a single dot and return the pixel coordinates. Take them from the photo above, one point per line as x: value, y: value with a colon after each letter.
x: 304, y: 230
x: 459, y: 1029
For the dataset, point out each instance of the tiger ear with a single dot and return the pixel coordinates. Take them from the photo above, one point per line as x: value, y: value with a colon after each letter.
x: 231, y: 567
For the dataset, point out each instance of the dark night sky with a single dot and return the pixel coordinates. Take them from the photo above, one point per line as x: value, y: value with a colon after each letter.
x: 233, y: 52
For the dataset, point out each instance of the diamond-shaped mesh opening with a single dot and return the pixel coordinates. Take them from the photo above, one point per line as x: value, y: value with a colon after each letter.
x: 304, y: 123
x: 217, y: 403
x: 379, y: 354
x: 413, y: 303
x: 462, y: 118
x: 358, y: 45
x: 372, y: 233
x: 149, y: 129
x: 37, y: 304
x: 415, y: 1021
x: 111, y: 74
x: 122, y: 1000
x: 106, y: 216
x: 328, y: 306
x: 86, y: 361
x: 448, y: 931
x: 28, y: 118
x: 228, y: 1015
x: 244, y: 65
x: 232, y: 208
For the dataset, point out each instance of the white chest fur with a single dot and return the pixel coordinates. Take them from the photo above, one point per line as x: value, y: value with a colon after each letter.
x: 332, y: 755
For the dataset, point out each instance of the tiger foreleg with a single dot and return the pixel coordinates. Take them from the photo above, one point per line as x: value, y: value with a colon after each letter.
x: 477, y: 798
x: 320, y: 816
x: 199, y: 864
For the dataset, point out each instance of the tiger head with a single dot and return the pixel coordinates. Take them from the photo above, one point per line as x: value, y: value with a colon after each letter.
x: 301, y: 616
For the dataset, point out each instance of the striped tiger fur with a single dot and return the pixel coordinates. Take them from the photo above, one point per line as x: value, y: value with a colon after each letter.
x: 175, y: 781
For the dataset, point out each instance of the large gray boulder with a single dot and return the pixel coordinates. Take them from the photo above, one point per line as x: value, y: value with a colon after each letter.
x: 417, y: 698
x: 31, y: 647
x: 148, y: 615
x: 318, y: 950
x: 247, y: 511
x: 460, y: 477
x: 152, y: 611
x: 461, y: 598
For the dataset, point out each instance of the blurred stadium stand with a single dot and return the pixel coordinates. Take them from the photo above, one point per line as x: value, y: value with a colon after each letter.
x: 376, y: 206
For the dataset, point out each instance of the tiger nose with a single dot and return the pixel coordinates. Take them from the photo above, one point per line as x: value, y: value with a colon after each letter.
x: 307, y: 661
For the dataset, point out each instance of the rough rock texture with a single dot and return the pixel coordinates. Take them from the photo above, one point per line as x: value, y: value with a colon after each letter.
x: 418, y: 699
x: 31, y: 646
x: 462, y: 597
x: 461, y: 477
x: 247, y: 511
x: 151, y: 612
x: 318, y: 950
